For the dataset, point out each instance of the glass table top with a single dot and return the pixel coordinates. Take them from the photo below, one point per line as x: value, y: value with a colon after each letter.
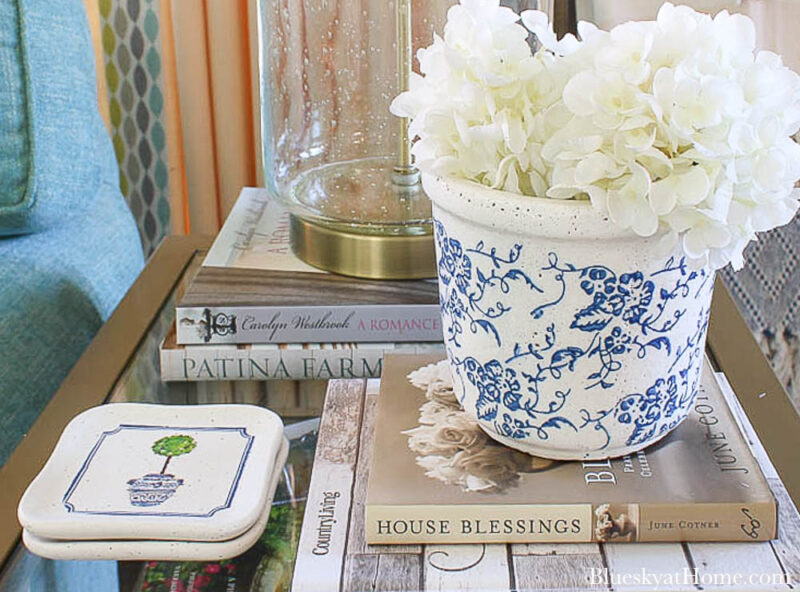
x: 268, y: 564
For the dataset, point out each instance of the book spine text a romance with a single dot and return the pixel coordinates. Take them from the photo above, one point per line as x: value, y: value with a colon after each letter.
x: 309, y: 324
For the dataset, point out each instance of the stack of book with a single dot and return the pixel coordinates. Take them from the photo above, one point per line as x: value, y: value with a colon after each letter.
x: 254, y: 311
x: 393, y: 488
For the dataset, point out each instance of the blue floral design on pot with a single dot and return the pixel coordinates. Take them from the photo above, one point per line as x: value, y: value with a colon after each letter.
x: 570, y: 348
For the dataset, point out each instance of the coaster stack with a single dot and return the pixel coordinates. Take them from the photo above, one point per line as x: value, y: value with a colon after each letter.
x: 133, y: 481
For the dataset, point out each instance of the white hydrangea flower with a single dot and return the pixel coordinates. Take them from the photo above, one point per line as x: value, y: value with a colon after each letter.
x: 675, y: 126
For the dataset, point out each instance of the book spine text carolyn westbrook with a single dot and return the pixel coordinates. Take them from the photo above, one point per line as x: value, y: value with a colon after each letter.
x: 309, y: 324
x: 574, y: 523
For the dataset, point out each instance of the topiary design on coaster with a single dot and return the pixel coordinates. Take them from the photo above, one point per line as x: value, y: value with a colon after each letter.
x: 155, y: 488
x: 170, y: 446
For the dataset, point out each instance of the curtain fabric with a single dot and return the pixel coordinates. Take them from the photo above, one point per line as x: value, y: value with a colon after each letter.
x: 180, y: 77
x: 130, y: 35
x: 216, y: 64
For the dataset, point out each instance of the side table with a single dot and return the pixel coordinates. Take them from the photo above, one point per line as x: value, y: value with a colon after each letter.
x: 121, y: 364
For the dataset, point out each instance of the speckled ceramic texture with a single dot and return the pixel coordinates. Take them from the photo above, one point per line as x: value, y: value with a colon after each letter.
x: 153, y: 550
x: 162, y: 472
x: 568, y: 338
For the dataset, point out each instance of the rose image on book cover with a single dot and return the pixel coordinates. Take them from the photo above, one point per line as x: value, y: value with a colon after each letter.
x: 453, y: 449
x: 451, y: 446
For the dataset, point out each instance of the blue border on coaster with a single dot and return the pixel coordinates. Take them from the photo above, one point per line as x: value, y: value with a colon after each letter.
x: 234, y: 485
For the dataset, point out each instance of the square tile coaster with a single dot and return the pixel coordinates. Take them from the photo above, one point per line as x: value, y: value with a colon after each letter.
x: 165, y: 472
x: 152, y: 550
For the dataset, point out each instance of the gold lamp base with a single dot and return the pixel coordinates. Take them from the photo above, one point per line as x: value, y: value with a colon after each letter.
x: 371, y: 256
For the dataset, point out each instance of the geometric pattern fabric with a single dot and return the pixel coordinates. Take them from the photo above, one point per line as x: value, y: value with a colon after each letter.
x: 133, y: 71
x: 767, y: 291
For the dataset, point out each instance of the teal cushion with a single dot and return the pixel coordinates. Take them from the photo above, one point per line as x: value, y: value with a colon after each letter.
x: 48, y: 114
x: 56, y: 289
x: 14, y: 140
x: 76, y: 249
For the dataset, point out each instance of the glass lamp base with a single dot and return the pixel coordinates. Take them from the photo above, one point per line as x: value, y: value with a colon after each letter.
x: 362, y: 218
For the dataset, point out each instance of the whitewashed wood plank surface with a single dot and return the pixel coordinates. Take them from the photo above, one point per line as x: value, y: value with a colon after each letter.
x: 366, y: 569
x: 555, y: 549
x: 787, y: 545
x: 467, y: 568
x: 360, y: 573
x: 356, y: 545
x: 558, y: 572
x: 585, y: 566
x: 566, y: 566
x: 739, y: 566
x: 658, y: 561
x: 385, y: 572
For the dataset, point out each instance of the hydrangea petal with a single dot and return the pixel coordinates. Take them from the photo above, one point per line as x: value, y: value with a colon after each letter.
x: 592, y: 168
x: 692, y: 187
x: 578, y: 93
x: 663, y: 196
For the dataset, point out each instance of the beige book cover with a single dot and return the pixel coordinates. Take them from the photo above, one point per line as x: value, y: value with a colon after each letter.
x: 256, y: 236
x: 437, y: 478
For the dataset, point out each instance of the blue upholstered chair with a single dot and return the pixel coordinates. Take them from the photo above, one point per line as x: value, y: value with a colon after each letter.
x: 69, y: 248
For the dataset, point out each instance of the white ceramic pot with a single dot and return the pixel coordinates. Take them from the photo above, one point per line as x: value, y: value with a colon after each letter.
x: 568, y: 337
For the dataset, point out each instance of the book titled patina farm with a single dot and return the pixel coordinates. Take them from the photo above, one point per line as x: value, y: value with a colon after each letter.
x: 437, y: 478
x: 278, y: 361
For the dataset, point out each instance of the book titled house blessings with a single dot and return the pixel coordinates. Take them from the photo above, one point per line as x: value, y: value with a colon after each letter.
x: 437, y: 478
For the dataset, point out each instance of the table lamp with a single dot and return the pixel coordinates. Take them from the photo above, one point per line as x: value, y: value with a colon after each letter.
x: 332, y: 152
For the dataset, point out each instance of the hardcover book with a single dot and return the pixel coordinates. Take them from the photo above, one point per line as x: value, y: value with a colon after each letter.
x: 436, y: 477
x: 252, y: 289
x: 278, y: 361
